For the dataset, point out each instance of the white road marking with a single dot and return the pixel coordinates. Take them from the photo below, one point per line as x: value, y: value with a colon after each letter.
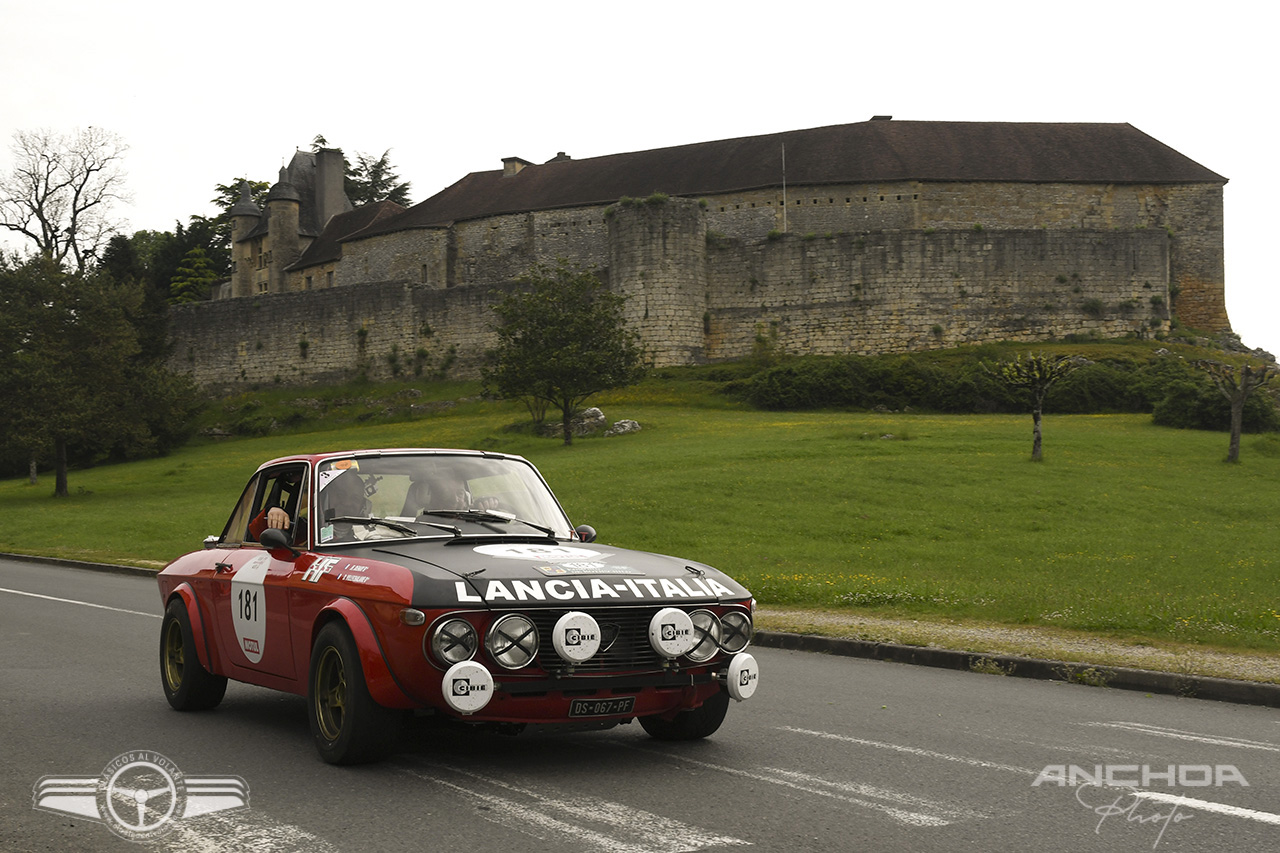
x: 1158, y: 731
x: 1206, y: 806
x: 944, y: 815
x: 244, y: 831
x: 81, y: 603
x: 601, y: 825
x: 911, y: 750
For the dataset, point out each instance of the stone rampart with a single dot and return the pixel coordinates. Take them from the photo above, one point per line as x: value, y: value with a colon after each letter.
x: 697, y: 294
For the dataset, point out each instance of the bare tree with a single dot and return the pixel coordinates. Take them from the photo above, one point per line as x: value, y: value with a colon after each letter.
x: 61, y: 191
x: 1035, y: 374
x: 1236, y: 384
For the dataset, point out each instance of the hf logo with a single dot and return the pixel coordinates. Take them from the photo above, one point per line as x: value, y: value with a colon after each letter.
x: 319, y: 569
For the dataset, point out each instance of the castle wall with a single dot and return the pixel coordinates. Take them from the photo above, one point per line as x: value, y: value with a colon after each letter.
x: 694, y: 295
x: 897, y: 291
x: 657, y: 261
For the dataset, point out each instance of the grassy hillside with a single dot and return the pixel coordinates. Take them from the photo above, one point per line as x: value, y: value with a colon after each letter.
x: 1126, y: 529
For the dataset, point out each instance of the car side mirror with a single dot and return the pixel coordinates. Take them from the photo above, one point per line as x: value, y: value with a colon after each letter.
x: 274, y: 539
x: 585, y: 532
x: 210, y: 542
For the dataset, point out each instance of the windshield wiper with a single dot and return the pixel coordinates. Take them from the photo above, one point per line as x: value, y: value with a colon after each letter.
x: 488, y: 515
x: 394, y: 525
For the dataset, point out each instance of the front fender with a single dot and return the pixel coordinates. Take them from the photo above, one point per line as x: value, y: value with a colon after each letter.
x: 377, y: 675
x: 204, y: 650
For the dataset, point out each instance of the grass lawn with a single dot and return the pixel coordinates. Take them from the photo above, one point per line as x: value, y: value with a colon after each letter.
x: 1125, y: 530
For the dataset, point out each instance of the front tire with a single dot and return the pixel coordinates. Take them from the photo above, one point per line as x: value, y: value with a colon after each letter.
x: 694, y: 724
x: 348, y: 726
x: 187, y: 684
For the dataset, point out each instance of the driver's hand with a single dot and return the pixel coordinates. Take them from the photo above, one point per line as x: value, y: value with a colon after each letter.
x: 277, y: 518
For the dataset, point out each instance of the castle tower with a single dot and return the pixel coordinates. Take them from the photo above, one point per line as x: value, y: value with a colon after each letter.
x: 284, y: 205
x: 245, y: 217
x: 658, y: 262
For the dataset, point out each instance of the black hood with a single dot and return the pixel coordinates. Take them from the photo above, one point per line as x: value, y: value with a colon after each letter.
x: 507, y: 573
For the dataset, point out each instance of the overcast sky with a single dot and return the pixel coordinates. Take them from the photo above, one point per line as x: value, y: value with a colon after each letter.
x: 202, y: 97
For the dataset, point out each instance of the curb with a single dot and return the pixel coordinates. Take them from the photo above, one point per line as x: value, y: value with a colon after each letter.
x: 1119, y: 677
x: 81, y: 564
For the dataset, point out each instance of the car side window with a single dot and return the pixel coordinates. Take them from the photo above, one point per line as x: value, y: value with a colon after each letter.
x: 285, y: 487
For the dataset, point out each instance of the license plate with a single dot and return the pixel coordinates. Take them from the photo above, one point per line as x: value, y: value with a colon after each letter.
x: 601, y: 707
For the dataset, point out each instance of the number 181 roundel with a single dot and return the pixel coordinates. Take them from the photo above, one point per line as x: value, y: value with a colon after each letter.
x: 378, y: 582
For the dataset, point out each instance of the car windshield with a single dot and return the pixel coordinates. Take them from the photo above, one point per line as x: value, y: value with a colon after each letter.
x: 394, y: 496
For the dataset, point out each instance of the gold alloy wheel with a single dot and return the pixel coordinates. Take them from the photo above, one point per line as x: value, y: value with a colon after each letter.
x: 174, y: 656
x: 331, y: 694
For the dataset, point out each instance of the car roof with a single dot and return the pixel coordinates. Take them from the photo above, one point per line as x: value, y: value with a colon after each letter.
x: 315, y: 458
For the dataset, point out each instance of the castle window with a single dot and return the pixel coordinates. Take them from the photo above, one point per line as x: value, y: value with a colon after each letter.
x: 882, y: 198
x: 306, y: 283
x: 424, y: 273
x: 328, y: 279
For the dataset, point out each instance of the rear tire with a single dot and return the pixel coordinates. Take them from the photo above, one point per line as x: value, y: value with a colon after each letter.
x: 187, y: 684
x: 348, y: 726
x: 690, y: 725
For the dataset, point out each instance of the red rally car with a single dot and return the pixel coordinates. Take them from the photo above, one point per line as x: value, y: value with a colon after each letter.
x: 446, y: 582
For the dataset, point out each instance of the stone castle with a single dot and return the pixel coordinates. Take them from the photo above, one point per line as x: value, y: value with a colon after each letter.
x: 879, y: 236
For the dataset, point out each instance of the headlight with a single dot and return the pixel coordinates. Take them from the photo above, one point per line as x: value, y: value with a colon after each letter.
x: 512, y: 641
x: 735, y: 631
x: 454, y: 641
x: 706, y: 634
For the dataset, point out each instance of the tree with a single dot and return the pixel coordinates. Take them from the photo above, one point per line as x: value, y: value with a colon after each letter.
x: 1236, y: 384
x: 71, y: 374
x: 192, y: 280
x: 1035, y: 375
x: 561, y: 339
x: 61, y: 192
x: 372, y: 180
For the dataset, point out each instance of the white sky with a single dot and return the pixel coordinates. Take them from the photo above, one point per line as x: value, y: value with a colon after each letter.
x: 452, y: 87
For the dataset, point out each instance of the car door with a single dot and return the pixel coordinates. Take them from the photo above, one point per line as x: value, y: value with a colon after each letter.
x: 249, y: 590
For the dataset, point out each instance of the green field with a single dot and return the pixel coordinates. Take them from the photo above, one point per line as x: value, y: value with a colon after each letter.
x: 1125, y: 530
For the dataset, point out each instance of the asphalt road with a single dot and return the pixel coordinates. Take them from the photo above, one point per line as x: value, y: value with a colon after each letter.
x: 832, y: 754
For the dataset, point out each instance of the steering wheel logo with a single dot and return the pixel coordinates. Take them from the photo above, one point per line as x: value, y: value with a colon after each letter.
x: 140, y: 795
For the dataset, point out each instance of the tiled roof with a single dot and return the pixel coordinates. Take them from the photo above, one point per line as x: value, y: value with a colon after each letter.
x: 327, y: 248
x: 867, y: 152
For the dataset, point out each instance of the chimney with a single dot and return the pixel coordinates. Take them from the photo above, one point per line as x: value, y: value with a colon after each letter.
x: 513, y: 166
x: 331, y: 198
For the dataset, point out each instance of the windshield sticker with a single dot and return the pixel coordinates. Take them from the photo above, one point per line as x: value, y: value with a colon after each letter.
x: 539, y: 553
x: 593, y: 589
x: 586, y: 568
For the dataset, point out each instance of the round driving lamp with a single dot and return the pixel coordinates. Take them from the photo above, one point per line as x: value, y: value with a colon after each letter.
x: 706, y: 635
x: 453, y: 641
x: 735, y: 631
x: 512, y: 641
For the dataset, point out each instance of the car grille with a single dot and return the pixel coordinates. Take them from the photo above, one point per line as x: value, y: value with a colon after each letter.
x: 630, y: 649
